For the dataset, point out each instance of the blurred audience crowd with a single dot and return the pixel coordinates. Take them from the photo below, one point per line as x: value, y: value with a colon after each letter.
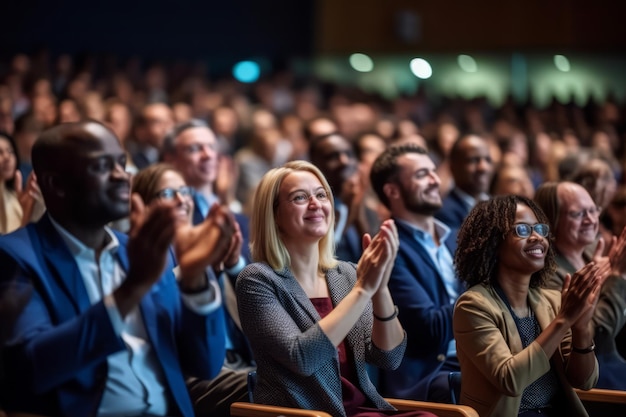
x: 262, y: 125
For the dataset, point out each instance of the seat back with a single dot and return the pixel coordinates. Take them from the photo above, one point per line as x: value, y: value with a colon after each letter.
x: 454, y: 382
x: 603, y: 402
x: 240, y: 409
x: 439, y: 409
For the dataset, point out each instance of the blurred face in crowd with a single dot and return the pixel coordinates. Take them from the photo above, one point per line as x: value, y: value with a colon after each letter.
x: 7, y: 160
x: 159, y: 121
x: 602, y: 184
x: 335, y: 157
x: 69, y: 112
x: 225, y: 121
x: 6, y: 113
x: 196, y: 156
x: 447, y: 134
x: 513, y: 179
x: 370, y: 146
x: 578, y: 217
x: 322, y: 126
x: 118, y: 119
x: 172, y: 187
x: 472, y: 166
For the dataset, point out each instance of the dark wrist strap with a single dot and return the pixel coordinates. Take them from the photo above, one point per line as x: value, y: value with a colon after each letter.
x: 198, y: 290
x: 389, y: 318
x: 585, y: 350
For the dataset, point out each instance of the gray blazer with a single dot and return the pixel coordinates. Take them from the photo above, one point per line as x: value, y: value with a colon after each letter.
x: 297, y: 365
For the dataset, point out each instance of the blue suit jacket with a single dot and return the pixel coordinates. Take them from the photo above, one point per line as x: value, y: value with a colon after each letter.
x: 419, y: 292
x: 453, y: 210
x: 55, y: 358
x: 238, y: 339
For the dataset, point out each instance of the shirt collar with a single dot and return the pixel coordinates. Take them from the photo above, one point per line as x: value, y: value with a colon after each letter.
x: 442, y: 230
x: 468, y: 199
x: 77, y: 247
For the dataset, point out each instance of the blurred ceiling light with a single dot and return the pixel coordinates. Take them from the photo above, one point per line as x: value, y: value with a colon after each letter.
x: 246, y: 71
x: 561, y: 63
x: 421, y: 68
x: 361, y: 62
x: 467, y: 63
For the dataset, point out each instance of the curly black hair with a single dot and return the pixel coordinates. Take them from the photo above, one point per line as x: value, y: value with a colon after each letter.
x: 482, y: 233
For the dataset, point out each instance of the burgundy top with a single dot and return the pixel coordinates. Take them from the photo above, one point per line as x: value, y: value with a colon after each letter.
x: 354, y: 401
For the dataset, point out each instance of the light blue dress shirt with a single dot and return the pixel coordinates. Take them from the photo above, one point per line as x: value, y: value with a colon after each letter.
x: 442, y: 258
x: 135, y: 382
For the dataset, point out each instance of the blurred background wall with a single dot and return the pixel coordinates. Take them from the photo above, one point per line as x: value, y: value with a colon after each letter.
x: 532, y: 50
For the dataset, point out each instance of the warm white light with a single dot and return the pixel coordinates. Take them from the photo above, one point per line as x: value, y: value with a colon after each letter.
x: 421, y: 68
x: 467, y: 63
x: 561, y: 63
x: 361, y: 62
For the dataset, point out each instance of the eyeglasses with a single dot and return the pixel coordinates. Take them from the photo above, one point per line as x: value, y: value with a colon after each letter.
x: 524, y: 230
x: 592, y: 212
x: 195, y: 148
x: 171, y: 193
x: 302, y: 198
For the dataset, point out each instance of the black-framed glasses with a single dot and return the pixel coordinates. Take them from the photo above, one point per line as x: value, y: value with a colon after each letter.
x: 524, y: 230
x: 171, y: 193
x: 302, y: 198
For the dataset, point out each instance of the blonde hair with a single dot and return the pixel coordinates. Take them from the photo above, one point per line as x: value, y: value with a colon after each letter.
x: 265, y: 242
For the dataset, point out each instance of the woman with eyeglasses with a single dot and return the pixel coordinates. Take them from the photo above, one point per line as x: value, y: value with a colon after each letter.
x: 314, y: 322
x: 522, y: 348
x: 162, y: 181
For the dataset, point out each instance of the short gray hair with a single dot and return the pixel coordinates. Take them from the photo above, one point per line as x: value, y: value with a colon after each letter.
x: 169, y: 142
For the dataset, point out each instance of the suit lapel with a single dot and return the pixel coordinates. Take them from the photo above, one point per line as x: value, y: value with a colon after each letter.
x: 63, y: 268
x: 542, y: 308
x: 406, y: 235
x: 197, y: 217
x: 338, y: 290
x: 298, y: 294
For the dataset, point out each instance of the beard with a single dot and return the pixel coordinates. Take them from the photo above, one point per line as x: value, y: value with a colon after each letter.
x: 425, y: 208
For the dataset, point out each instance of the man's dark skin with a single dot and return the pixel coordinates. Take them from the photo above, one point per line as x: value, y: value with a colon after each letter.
x: 335, y: 157
x: 471, y: 165
x: 81, y: 172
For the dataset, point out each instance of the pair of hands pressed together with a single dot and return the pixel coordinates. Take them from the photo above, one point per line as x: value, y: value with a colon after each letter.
x: 583, y: 288
x: 154, y: 228
x: 379, y: 253
x: 580, y: 294
x: 614, y: 263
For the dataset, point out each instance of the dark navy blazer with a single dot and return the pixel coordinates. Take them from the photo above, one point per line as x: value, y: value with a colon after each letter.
x: 418, y: 290
x: 56, y: 356
x: 237, y: 338
x: 453, y: 211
